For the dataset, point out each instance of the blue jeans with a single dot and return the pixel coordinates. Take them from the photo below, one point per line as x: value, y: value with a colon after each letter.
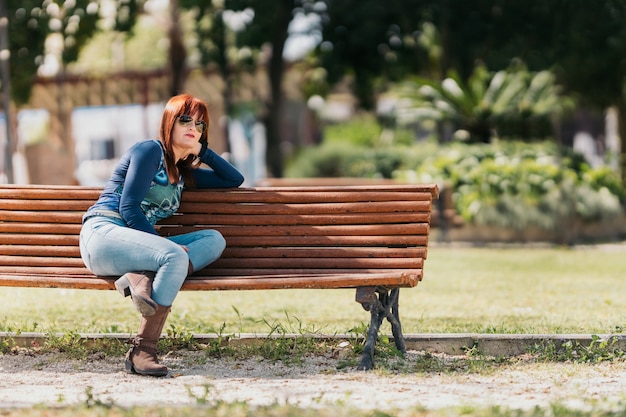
x: 110, y: 248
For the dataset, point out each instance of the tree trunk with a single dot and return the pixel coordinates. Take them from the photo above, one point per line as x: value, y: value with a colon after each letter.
x: 621, y: 128
x: 220, y: 36
x: 177, y: 53
x: 274, y: 157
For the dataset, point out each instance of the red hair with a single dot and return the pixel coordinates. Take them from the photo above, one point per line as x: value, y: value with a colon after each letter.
x: 176, y: 107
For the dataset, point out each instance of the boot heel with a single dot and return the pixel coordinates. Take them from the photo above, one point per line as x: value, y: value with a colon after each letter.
x: 123, y: 286
x: 128, y: 365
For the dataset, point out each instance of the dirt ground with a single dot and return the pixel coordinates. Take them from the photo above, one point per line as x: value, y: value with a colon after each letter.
x: 27, y: 380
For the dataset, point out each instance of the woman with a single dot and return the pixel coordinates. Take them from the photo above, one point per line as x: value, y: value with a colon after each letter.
x: 118, y: 236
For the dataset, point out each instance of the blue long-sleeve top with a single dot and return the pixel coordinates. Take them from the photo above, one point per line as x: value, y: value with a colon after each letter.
x: 139, y: 191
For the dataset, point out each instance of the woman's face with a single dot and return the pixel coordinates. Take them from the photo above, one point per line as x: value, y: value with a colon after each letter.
x: 187, y: 131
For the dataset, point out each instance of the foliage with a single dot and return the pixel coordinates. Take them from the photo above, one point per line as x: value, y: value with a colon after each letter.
x: 74, y: 346
x: 97, y: 57
x: 374, y: 42
x: 512, y: 185
x: 581, y: 42
x: 32, y: 22
x: 361, y: 147
x: 336, y: 159
x: 517, y: 185
x: 28, y: 29
x: 263, y: 27
x: 600, y: 349
x: 368, y: 42
x: 333, y: 160
x: 487, y: 103
x: 362, y: 130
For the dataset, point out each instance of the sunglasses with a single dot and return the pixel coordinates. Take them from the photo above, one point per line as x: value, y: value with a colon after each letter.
x: 185, y: 121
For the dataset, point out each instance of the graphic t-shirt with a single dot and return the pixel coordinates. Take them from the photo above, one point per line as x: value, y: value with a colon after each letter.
x: 139, y: 191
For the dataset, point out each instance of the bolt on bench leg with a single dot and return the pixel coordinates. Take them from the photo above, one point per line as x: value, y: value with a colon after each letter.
x: 385, y: 305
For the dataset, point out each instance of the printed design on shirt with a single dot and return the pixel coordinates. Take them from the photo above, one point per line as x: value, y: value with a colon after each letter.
x: 161, y: 177
x: 162, y: 199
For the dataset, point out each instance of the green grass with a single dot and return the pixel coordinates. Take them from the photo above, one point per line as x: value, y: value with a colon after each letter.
x: 484, y: 290
x: 478, y: 290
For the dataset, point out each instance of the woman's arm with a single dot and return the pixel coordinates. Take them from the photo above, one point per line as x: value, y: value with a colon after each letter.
x: 143, y: 164
x: 221, y: 175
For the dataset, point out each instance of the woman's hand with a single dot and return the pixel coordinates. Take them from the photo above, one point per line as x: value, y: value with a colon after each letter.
x: 203, y: 145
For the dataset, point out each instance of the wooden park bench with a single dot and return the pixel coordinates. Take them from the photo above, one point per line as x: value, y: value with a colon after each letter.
x: 373, y: 238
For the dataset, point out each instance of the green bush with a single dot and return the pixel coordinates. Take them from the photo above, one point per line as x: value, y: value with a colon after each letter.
x: 345, y: 160
x: 362, y: 130
x: 365, y: 130
x: 360, y: 147
x: 508, y: 184
x: 517, y: 185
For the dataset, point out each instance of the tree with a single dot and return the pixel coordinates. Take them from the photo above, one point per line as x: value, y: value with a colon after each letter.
x: 270, y: 26
x: 588, y: 47
x: 265, y: 34
x: 177, y: 52
x: 372, y: 42
x: 486, y: 104
x: 583, y: 42
x: 32, y: 22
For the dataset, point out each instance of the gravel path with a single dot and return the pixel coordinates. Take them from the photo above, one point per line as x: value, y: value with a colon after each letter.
x: 27, y: 380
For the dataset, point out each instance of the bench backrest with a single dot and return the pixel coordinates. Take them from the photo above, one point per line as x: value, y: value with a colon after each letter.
x: 277, y: 237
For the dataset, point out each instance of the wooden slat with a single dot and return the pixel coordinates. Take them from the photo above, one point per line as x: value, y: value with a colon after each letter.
x: 50, y: 280
x: 407, y: 279
x: 309, y: 209
x: 73, y: 266
x: 68, y: 223
x: 37, y: 261
x: 70, y: 251
x: 302, y: 219
x: 22, y: 263
x: 49, y: 192
x: 46, y: 205
x: 269, y: 241
x: 241, y: 252
x: 44, y: 270
x: 317, y: 263
x: 247, y: 241
x: 342, y: 230
x: 312, y: 230
x: 199, y: 199
x: 53, y: 192
x: 47, y: 239
x: 34, y: 216
x: 280, y: 281
x: 40, y: 228
x: 327, y: 252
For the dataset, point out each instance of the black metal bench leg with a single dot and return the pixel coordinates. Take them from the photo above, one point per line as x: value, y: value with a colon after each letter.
x: 385, y: 305
x: 393, y: 317
x: 367, y: 358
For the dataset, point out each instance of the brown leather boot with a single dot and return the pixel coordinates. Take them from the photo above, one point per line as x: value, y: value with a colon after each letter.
x: 142, y: 357
x: 139, y: 286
